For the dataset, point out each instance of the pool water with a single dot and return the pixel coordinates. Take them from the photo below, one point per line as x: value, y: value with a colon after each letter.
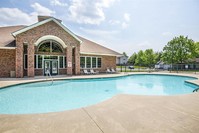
x: 42, y: 97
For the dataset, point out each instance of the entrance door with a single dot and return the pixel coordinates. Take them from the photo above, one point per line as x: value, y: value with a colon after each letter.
x: 50, y: 66
x: 54, y: 67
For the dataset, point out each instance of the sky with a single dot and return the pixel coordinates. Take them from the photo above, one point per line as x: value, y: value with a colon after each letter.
x: 122, y: 25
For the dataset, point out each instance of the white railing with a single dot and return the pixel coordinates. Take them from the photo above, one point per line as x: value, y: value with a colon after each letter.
x: 49, y: 75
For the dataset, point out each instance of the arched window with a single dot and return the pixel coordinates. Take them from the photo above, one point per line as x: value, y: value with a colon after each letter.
x: 50, y: 46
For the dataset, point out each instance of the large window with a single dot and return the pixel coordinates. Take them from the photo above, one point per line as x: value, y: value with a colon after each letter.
x: 99, y: 62
x: 94, y: 62
x: 40, y: 58
x: 25, y: 61
x: 90, y: 62
x: 50, y: 46
x: 82, y: 62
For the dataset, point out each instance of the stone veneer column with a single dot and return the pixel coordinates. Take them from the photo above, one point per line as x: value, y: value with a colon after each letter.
x: 69, y: 59
x: 30, y: 69
x: 19, y: 58
x: 77, y: 60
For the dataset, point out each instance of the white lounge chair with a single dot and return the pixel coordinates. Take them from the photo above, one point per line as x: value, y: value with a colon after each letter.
x: 86, y: 72
x: 113, y: 71
x: 93, y: 72
x: 108, y: 70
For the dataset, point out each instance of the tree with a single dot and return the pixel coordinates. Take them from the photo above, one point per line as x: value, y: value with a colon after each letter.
x: 149, y: 58
x: 179, y: 50
x: 158, y: 56
x: 140, y: 58
x: 132, y: 59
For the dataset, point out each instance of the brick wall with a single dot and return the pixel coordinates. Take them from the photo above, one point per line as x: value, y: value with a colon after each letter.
x: 31, y: 36
x: 7, y: 62
x: 107, y: 62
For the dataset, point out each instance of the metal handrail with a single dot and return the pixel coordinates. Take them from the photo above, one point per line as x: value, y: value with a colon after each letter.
x: 48, y: 74
x: 196, y: 90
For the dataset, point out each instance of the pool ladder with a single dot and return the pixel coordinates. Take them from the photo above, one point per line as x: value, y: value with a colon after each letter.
x: 49, y: 75
x: 196, y: 90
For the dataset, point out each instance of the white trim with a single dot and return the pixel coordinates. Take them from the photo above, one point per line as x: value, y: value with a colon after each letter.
x: 43, y: 22
x: 50, y: 37
x: 100, y: 54
x: 85, y: 57
x: 7, y: 47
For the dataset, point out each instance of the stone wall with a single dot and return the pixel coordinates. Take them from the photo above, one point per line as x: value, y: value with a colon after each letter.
x: 7, y: 62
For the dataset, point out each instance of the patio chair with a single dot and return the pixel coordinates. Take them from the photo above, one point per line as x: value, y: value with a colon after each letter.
x: 93, y: 72
x: 108, y: 70
x: 86, y: 72
x: 113, y: 70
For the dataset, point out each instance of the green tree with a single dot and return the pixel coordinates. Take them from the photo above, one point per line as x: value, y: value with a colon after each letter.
x: 179, y: 50
x: 140, y: 58
x: 132, y: 59
x: 158, y: 56
x: 149, y: 58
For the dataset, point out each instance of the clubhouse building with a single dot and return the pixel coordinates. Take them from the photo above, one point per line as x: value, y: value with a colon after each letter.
x: 49, y: 46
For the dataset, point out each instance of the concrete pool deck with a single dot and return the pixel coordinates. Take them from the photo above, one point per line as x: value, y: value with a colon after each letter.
x: 121, y: 114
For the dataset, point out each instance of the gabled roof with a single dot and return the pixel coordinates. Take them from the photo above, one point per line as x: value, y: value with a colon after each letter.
x: 7, y: 41
x: 43, y: 22
x: 92, y: 48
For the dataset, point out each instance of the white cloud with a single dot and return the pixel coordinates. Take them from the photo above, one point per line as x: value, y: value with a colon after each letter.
x: 41, y: 10
x: 124, y: 25
x: 99, y: 32
x: 127, y: 17
x: 88, y: 12
x: 14, y: 16
x: 167, y: 34
x: 58, y: 3
x: 114, y: 22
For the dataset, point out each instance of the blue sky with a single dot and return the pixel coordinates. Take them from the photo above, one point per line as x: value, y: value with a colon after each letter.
x: 122, y: 25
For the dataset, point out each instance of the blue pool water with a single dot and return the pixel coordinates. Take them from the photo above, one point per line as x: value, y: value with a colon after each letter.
x: 43, y: 97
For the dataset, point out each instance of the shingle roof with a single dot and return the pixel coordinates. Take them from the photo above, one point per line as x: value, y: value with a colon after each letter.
x: 6, y: 39
x: 90, y: 47
x: 87, y: 46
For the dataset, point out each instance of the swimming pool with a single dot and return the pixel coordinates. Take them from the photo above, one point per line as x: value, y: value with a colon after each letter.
x: 42, y: 97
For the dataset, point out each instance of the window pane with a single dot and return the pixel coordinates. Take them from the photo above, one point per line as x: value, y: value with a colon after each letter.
x: 35, y: 61
x: 25, y: 61
x: 50, y: 57
x: 61, y: 63
x: 39, y: 61
x: 45, y: 47
x: 56, y: 48
x: 99, y: 62
x: 82, y: 62
x: 93, y: 62
x: 65, y: 62
x: 88, y: 62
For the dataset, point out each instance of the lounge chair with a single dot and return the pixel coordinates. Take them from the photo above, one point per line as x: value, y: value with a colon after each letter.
x: 86, y: 72
x: 93, y: 72
x: 113, y: 70
x: 108, y: 70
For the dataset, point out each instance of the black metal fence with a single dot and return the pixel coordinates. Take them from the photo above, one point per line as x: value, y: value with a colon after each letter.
x: 173, y: 67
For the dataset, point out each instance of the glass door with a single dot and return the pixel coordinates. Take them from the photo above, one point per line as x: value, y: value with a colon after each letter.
x: 47, y: 67
x: 54, y: 67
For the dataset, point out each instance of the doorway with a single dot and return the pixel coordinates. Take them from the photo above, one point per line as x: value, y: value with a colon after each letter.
x: 51, y: 66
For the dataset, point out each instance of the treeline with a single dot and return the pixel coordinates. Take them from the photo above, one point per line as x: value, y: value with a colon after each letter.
x: 147, y: 58
x: 177, y: 51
